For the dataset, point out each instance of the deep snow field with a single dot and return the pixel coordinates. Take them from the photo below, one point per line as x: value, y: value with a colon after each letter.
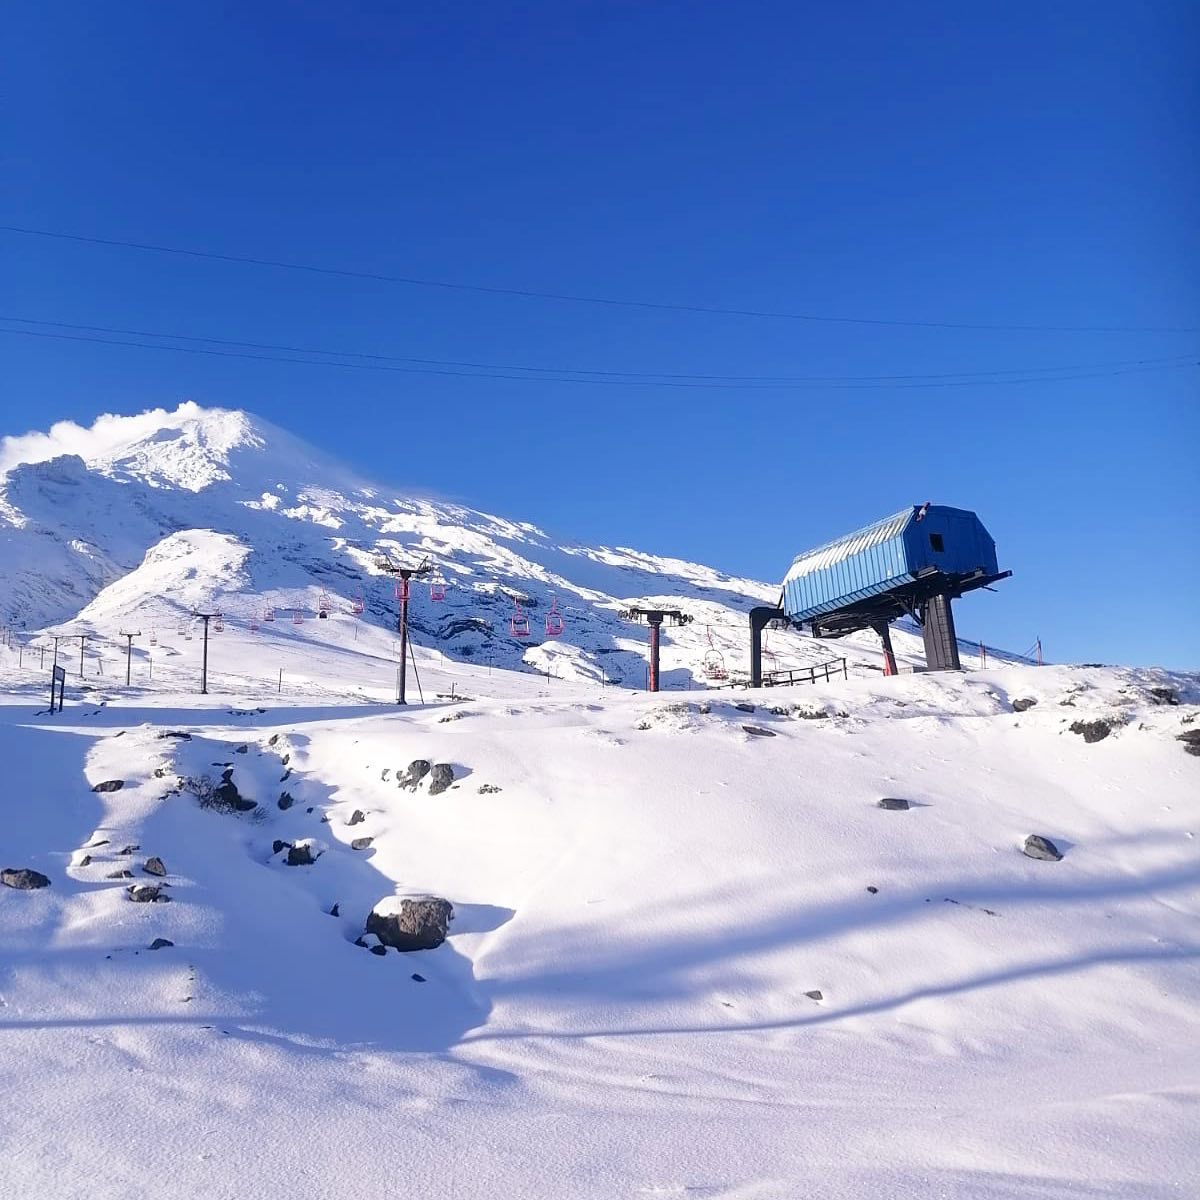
x: 687, y: 959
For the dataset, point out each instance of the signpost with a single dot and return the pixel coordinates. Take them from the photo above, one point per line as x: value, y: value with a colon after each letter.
x: 58, y: 679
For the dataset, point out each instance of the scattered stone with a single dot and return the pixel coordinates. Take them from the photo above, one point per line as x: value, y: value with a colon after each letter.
x: 411, y: 922
x: 335, y: 911
x: 241, y: 749
x: 417, y: 770
x: 1037, y: 846
x: 285, y: 759
x: 175, y: 733
x: 301, y: 855
x: 894, y: 804
x: 146, y: 893
x: 85, y: 861
x: 357, y: 817
x: 286, y: 775
x: 109, y: 785
x: 227, y: 797
x: 872, y: 889
x: 815, y: 995
x: 94, y: 845
x: 161, y: 944
x: 418, y: 978
x: 24, y: 879
x: 1164, y: 695
x: 272, y: 739
x: 384, y: 774
x: 285, y: 801
x: 362, y: 843
x: 488, y: 789
x: 368, y: 941
x: 1092, y: 731
x: 309, y: 809
x: 122, y: 874
x: 757, y: 730
x: 440, y: 778
x: 127, y: 850
x: 1024, y: 704
x: 154, y: 866
x: 1190, y: 739
x: 743, y: 706
x: 325, y: 818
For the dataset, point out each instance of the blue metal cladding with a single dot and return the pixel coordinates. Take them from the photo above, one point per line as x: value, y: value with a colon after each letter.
x: 886, y: 555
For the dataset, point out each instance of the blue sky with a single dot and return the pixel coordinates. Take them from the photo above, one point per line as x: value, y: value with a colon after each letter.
x: 981, y: 165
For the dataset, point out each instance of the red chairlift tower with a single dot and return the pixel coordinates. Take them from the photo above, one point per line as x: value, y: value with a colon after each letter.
x: 554, y: 621
x: 403, y: 575
x: 654, y: 617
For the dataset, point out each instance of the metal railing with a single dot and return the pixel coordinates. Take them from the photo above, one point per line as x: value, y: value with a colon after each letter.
x: 793, y: 675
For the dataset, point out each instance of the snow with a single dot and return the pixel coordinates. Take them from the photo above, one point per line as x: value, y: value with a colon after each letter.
x: 686, y: 959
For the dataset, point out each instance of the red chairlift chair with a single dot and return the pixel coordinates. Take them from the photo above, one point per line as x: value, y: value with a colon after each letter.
x: 323, y: 606
x: 297, y: 617
x: 154, y: 639
x: 519, y: 624
x: 358, y: 606
x: 554, y: 620
x: 437, y: 588
x: 218, y: 623
x: 269, y: 615
x: 714, y: 665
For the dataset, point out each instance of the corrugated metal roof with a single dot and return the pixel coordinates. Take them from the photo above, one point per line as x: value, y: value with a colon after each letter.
x: 851, y: 543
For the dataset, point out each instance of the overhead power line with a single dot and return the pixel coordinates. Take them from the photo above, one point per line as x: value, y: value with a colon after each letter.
x: 640, y: 376
x: 662, y: 383
x: 574, y: 298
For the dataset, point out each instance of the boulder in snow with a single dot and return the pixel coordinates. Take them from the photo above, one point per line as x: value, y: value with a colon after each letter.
x: 1037, y: 846
x: 1190, y: 739
x: 411, y: 922
x: 1023, y: 704
x: 362, y: 843
x: 305, y: 853
x: 286, y: 800
x: 147, y: 893
x: 758, y: 731
x: 894, y: 804
x: 417, y: 770
x: 1092, y: 731
x: 161, y: 944
x: 109, y: 785
x: 440, y: 778
x: 24, y: 879
x: 154, y: 866
x: 357, y: 817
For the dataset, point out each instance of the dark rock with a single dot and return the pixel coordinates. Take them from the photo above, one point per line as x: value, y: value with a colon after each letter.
x: 226, y: 795
x: 146, y: 893
x: 286, y: 775
x: 1164, y: 695
x: 418, y: 978
x: 380, y: 950
x: 417, y: 770
x: 1037, y: 846
x: 1024, y: 704
x: 325, y: 818
x: 742, y: 706
x: 301, y: 856
x: 109, y: 785
x: 94, y: 845
x: 363, y: 843
x: 309, y: 809
x: 894, y: 804
x: 161, y: 944
x: 411, y: 922
x: 285, y: 801
x: 335, y: 911
x: 1092, y: 731
x: 357, y: 817
x: 127, y: 850
x: 154, y: 866
x: 85, y: 861
x: 440, y: 778
x: 175, y: 733
x: 241, y: 749
x: 122, y: 874
x: 285, y: 759
x: 24, y: 879
x: 272, y: 739
x: 872, y: 889
x: 488, y: 789
x: 815, y: 995
x: 758, y: 731
x: 1190, y: 739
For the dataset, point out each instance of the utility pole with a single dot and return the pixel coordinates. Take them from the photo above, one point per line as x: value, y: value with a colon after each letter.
x: 654, y: 617
x: 83, y: 637
x: 403, y: 576
x: 129, y: 651
x: 205, y: 617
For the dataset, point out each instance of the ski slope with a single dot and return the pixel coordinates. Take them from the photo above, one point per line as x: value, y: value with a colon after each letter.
x: 646, y: 912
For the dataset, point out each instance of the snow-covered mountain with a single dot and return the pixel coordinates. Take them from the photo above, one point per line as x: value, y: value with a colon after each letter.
x: 136, y: 521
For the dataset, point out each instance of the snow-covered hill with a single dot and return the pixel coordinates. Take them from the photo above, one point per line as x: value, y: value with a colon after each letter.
x: 136, y: 521
x: 691, y: 954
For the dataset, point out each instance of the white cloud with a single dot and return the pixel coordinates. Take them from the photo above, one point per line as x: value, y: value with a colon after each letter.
x: 108, y: 434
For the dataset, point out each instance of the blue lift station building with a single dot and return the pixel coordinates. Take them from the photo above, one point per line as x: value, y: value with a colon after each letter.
x: 912, y: 563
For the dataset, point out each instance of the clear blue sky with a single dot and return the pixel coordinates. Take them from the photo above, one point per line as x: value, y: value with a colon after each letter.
x: 983, y: 164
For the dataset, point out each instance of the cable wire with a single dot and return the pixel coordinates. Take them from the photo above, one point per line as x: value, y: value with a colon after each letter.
x: 609, y: 301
